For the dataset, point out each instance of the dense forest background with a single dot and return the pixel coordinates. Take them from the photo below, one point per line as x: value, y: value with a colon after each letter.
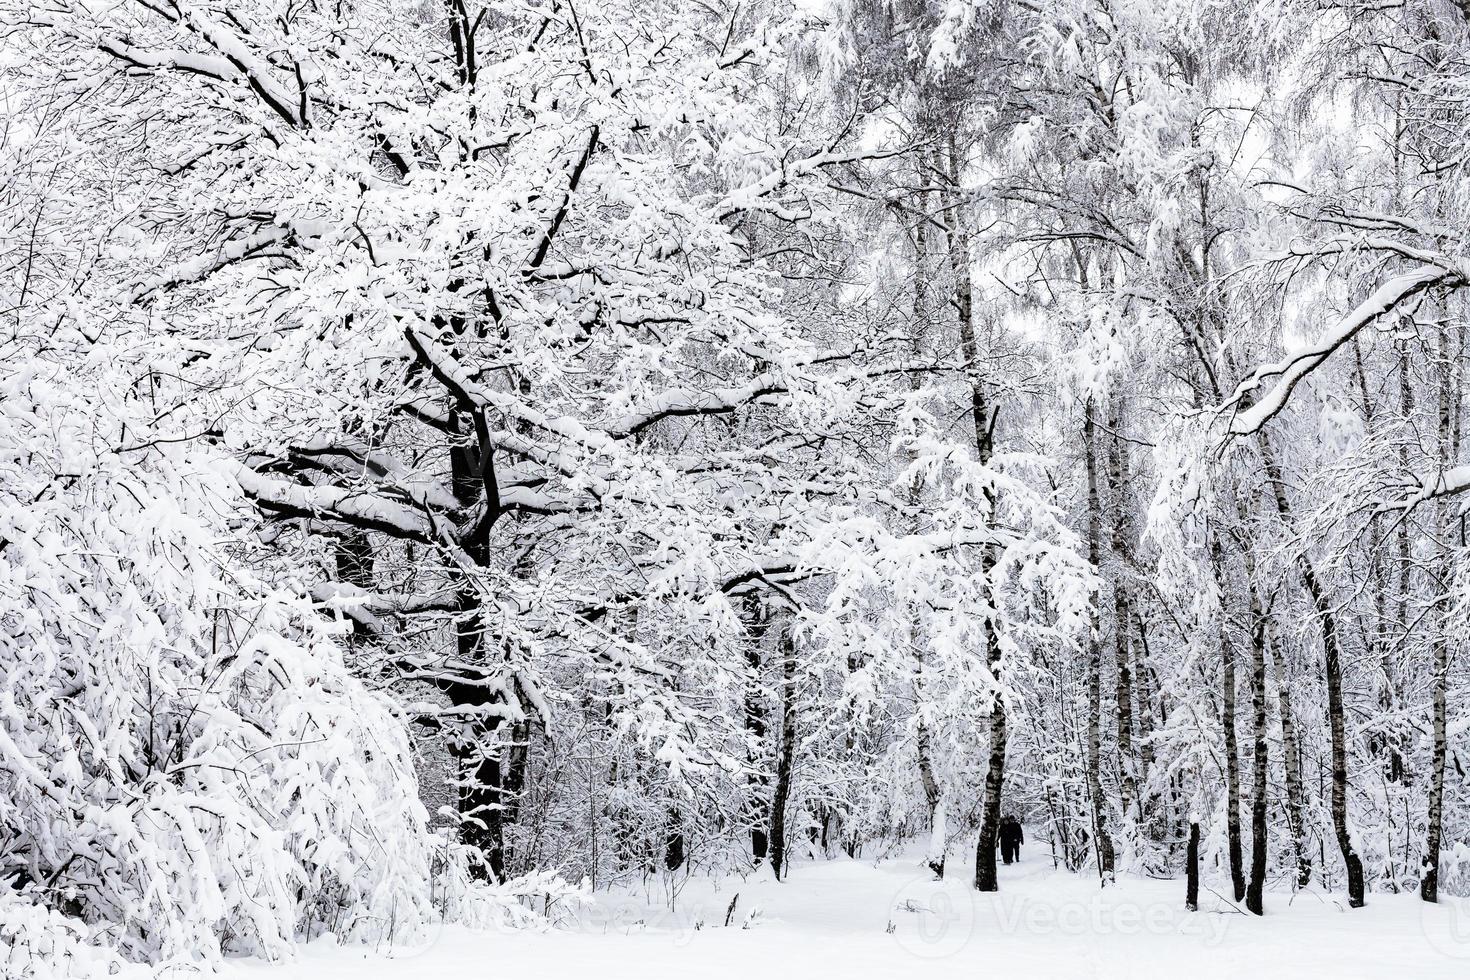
x: 448, y: 444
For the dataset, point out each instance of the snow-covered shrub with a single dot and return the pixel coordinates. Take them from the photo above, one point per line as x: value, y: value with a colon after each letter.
x: 40, y: 943
x: 531, y: 901
x: 185, y: 762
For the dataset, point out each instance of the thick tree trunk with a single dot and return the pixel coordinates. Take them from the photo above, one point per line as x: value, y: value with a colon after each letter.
x: 1122, y: 618
x: 1191, y: 866
x: 1255, y: 891
x: 1232, y: 770
x: 986, y: 879
x: 1127, y: 779
x: 785, y: 757
x: 354, y: 554
x: 480, y: 799
x: 964, y: 301
x: 481, y: 802
x: 674, y: 841
x: 1337, y: 724
x: 1292, y: 762
x: 757, y: 782
x: 1429, y: 882
x: 1405, y: 557
x: 1227, y: 723
x: 1448, y: 450
x: 1145, y: 703
x: 982, y: 419
x: 1103, y: 839
x: 523, y: 735
x: 934, y: 797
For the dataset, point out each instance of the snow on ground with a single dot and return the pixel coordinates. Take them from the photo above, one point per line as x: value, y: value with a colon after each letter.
x: 854, y: 919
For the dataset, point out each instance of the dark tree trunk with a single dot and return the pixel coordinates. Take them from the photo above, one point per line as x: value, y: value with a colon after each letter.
x: 1429, y: 882
x: 1105, y: 858
x: 1337, y: 723
x: 674, y: 841
x: 1255, y: 891
x: 1291, y: 757
x: 1449, y: 449
x: 523, y: 735
x: 981, y: 417
x: 355, y: 559
x: 757, y: 782
x: 1407, y: 409
x: 985, y: 874
x: 1232, y: 773
x: 986, y: 879
x: 1227, y: 724
x: 481, y: 801
x: 1145, y: 702
x: 1122, y: 619
x: 785, y: 757
x: 513, y: 778
x: 1191, y: 864
x: 1123, y: 652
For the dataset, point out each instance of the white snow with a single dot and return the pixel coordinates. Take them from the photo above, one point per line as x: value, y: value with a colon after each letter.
x: 854, y: 919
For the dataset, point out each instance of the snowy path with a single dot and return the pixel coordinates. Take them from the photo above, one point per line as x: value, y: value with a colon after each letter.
x: 832, y: 919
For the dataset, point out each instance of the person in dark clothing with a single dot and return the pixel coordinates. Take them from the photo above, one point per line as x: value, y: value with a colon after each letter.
x: 1011, y: 839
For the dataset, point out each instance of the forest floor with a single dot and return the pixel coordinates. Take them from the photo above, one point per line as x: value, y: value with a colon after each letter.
x: 857, y: 919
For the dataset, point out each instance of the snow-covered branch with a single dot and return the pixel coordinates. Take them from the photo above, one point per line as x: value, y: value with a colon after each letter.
x: 1251, y: 407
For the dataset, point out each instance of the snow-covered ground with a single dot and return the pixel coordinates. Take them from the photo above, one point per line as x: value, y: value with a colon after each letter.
x: 852, y: 919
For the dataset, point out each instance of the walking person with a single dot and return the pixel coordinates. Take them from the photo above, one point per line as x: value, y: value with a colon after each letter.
x: 1011, y: 839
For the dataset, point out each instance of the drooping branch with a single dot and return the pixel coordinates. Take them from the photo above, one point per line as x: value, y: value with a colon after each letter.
x: 1253, y: 408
